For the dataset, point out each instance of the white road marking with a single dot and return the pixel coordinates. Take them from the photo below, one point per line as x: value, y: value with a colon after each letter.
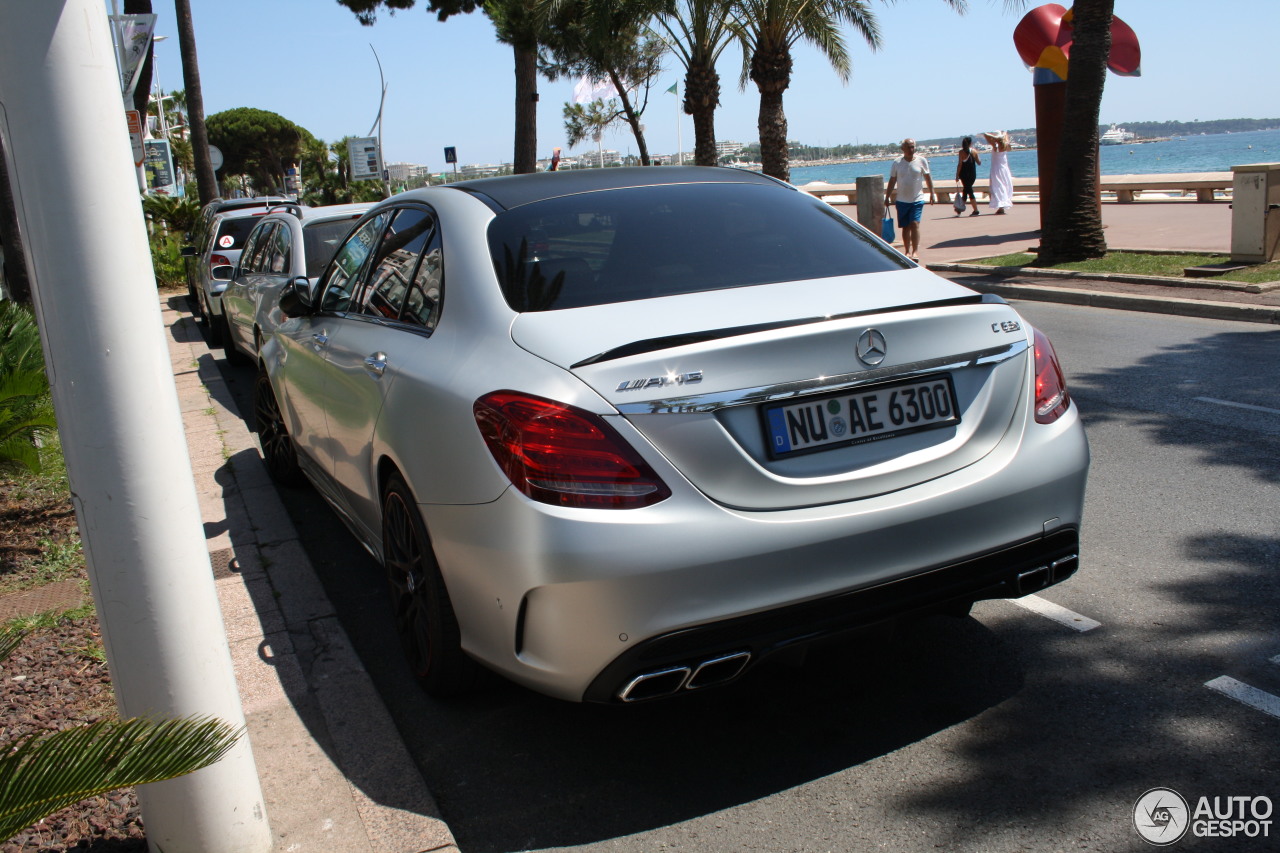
x: 1239, y: 405
x: 1070, y: 618
x: 1276, y: 660
x: 1243, y: 693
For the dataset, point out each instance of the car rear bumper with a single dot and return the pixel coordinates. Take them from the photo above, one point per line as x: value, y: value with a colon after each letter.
x: 712, y: 654
x: 574, y: 603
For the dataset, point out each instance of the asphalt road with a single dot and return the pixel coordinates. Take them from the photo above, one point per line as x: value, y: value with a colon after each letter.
x: 1011, y: 730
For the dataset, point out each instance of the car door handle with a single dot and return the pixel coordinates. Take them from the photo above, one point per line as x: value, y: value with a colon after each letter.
x: 377, y: 363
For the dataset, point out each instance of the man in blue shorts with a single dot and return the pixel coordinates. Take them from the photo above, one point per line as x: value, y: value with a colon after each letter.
x: 910, y: 174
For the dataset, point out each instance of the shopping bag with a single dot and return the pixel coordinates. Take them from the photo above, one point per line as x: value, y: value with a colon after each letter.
x: 957, y: 201
x: 886, y: 229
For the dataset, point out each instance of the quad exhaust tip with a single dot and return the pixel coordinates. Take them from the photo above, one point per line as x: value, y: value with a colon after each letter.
x: 669, y: 681
x: 1045, y: 576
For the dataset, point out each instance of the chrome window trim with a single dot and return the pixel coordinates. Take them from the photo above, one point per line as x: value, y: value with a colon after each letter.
x: 699, y: 403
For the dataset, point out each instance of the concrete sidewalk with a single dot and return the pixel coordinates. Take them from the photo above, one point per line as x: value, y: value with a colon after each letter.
x: 335, y: 773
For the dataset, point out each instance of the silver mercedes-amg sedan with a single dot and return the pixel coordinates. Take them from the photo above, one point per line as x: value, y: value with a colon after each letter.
x: 620, y: 434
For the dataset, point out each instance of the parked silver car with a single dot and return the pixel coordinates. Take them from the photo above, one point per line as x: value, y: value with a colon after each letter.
x: 622, y: 433
x: 289, y: 243
x: 224, y: 240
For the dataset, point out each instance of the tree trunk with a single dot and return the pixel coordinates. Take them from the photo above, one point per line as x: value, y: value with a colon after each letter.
x: 526, y: 153
x: 701, y: 97
x: 205, y: 181
x: 1073, y: 227
x: 16, y: 278
x: 771, y: 71
x: 632, y: 119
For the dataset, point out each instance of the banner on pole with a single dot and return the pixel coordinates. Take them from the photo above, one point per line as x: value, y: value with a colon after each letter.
x: 133, y: 39
x: 366, y: 164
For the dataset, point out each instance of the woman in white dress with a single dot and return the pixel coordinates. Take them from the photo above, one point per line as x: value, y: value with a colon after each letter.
x: 1001, y: 177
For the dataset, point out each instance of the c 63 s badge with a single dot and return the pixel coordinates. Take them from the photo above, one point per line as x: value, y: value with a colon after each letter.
x: 661, y: 381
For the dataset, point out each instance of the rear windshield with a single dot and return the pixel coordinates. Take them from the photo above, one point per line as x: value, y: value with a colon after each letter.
x: 237, y: 229
x: 646, y: 242
x: 321, y: 241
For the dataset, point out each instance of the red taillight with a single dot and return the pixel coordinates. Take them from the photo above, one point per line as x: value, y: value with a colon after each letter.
x: 219, y: 261
x: 1052, y: 398
x: 562, y: 455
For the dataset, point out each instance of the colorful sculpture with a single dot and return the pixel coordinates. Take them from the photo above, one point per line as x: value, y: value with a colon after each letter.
x: 1043, y: 38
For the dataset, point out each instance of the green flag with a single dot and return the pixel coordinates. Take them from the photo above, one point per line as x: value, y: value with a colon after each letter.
x: 672, y: 90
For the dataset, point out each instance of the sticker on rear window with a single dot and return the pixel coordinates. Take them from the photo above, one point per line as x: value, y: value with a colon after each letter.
x: 226, y: 241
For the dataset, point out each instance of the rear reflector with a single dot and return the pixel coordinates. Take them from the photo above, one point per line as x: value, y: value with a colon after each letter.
x: 562, y: 455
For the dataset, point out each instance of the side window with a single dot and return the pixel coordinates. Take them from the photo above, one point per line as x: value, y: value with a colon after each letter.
x: 348, y: 262
x: 278, y: 255
x: 253, y: 248
x: 393, y: 266
x: 422, y: 308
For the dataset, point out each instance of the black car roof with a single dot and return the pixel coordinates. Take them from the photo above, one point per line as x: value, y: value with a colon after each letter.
x: 510, y: 191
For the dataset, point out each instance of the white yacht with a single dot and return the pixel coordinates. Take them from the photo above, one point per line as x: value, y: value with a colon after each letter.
x: 1116, y: 136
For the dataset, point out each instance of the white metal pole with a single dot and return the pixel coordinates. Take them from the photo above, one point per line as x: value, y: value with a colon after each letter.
x: 679, y: 131
x: 122, y: 433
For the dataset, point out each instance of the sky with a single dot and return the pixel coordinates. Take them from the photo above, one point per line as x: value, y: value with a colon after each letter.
x: 937, y: 74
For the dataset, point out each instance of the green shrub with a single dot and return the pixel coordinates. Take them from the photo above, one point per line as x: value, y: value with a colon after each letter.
x: 167, y: 260
x: 26, y: 408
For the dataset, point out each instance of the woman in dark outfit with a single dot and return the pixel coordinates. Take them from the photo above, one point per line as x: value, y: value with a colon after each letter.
x: 967, y: 172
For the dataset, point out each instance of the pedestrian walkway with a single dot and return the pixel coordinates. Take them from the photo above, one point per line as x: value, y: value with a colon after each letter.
x: 334, y: 771
x: 948, y: 241
x: 1184, y: 225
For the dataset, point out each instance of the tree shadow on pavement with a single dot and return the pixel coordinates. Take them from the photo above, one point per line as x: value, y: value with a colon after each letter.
x: 1033, y: 238
x: 1110, y: 714
x: 514, y: 771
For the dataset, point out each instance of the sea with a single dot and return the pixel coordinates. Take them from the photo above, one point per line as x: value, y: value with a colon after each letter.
x: 1203, y: 153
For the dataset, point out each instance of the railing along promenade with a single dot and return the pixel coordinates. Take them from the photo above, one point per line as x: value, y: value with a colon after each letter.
x: 1125, y: 188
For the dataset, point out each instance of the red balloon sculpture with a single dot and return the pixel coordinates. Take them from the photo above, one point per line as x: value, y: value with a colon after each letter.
x: 1043, y: 38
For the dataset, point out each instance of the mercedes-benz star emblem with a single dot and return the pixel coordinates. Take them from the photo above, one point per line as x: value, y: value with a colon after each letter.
x: 872, y: 347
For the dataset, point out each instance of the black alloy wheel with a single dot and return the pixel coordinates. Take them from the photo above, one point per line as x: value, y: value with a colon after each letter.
x: 420, y: 603
x: 277, y: 445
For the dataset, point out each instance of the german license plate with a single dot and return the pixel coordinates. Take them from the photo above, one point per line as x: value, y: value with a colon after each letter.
x: 856, y: 417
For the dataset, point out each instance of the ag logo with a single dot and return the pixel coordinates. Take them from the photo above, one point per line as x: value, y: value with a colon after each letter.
x: 1161, y: 816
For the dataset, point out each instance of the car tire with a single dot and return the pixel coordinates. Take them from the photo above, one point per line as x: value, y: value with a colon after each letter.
x: 278, y: 451
x: 212, y: 329
x: 232, y: 353
x: 424, y: 616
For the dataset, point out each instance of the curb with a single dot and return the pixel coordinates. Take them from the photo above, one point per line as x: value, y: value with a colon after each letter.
x: 334, y: 771
x: 1128, y: 302
x: 1125, y: 278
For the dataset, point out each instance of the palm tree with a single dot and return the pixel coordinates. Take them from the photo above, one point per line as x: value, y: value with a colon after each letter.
x: 206, y: 183
x: 697, y: 32
x: 517, y: 24
x: 1073, y: 224
x: 767, y: 29
x: 42, y: 773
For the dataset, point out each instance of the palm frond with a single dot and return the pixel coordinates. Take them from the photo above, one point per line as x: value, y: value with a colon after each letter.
x: 9, y: 640
x: 44, y: 773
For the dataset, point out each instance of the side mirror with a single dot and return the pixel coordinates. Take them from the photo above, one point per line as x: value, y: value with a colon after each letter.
x: 222, y: 272
x: 188, y: 251
x: 295, y: 298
